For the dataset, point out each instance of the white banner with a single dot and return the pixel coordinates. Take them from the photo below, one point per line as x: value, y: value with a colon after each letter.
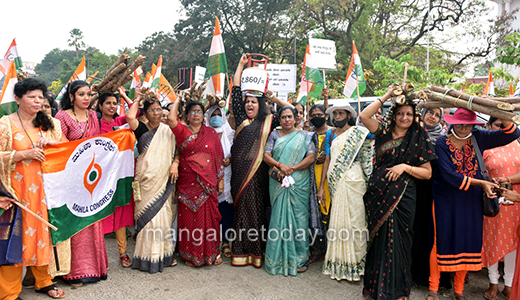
x: 283, y: 96
x: 323, y: 54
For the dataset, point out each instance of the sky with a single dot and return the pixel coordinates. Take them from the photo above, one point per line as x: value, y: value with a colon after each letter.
x: 40, y: 26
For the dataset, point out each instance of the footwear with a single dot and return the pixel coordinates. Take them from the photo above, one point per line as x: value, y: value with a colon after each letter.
x: 505, y: 295
x: 226, y: 250
x: 303, y: 268
x: 492, y: 292
x: 52, y: 291
x: 189, y: 264
x: 218, y: 261
x: 432, y: 295
x: 174, y: 262
x: 28, y: 281
x: 77, y: 284
x: 459, y: 297
x: 125, y: 260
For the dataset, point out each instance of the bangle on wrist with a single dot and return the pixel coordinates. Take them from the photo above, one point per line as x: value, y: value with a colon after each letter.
x: 278, y: 165
x: 508, y: 179
x: 379, y: 99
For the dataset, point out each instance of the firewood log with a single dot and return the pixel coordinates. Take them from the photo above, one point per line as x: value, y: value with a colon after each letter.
x: 479, y: 100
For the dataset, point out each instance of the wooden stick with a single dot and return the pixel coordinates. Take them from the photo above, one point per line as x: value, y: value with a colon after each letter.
x: 405, y: 74
x: 307, y: 106
x: 34, y: 215
x: 358, y: 98
x: 484, y: 101
x: 447, y: 100
x: 507, y: 100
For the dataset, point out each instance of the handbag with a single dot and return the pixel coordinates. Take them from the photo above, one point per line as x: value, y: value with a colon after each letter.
x: 491, y: 205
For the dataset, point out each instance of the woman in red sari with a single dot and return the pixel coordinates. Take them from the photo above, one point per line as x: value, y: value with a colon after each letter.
x: 201, y: 177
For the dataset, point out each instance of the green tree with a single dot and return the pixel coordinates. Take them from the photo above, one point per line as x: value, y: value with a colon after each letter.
x: 76, y: 40
x: 49, y: 68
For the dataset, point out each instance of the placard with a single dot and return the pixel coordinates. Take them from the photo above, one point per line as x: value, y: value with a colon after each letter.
x: 199, y: 74
x: 283, y: 96
x: 282, y: 77
x: 254, y: 79
x: 323, y: 54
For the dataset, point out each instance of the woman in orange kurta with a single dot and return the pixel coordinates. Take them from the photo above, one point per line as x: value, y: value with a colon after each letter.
x: 500, y: 240
x: 23, y: 135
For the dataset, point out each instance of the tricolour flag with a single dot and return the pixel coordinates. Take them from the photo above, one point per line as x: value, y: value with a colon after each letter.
x: 217, y: 64
x: 156, y: 74
x: 511, y: 91
x: 149, y: 76
x: 166, y: 92
x: 12, y: 55
x: 121, y: 107
x: 97, y: 171
x: 354, y: 70
x: 7, y: 103
x: 135, y: 86
x: 489, y: 89
x: 90, y: 78
x: 79, y: 74
x: 312, y: 83
x: 517, y: 90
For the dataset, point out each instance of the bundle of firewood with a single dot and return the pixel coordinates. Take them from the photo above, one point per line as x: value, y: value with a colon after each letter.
x: 120, y: 73
x: 213, y: 100
x: 148, y: 94
x: 437, y: 97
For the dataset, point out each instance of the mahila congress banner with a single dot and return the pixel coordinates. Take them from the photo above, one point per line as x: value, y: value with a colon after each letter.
x: 85, y: 180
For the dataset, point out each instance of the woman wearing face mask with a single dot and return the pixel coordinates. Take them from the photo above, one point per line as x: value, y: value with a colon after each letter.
x: 402, y: 154
x: 249, y: 180
x: 89, y: 261
x: 216, y: 118
x: 348, y: 163
x: 318, y: 119
x: 421, y: 243
x: 457, y: 197
x: 290, y: 153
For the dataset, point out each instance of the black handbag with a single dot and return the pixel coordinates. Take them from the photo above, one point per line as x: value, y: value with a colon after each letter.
x: 491, y: 205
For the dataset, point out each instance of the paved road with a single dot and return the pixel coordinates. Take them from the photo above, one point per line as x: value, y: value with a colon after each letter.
x: 225, y: 282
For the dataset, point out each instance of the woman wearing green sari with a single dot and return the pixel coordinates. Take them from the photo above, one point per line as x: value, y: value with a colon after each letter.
x: 291, y: 154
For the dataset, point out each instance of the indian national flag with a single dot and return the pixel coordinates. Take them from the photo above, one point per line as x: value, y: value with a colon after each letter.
x: 511, y: 91
x: 121, y: 107
x: 7, y: 103
x: 217, y: 64
x: 149, y: 76
x: 156, y: 76
x: 135, y: 86
x: 98, y: 171
x: 517, y: 90
x: 79, y: 74
x: 90, y: 78
x: 312, y: 83
x: 12, y: 55
x: 489, y: 89
x: 166, y: 92
x: 354, y: 70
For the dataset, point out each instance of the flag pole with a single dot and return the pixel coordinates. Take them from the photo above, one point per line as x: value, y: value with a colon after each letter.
x: 307, y: 106
x: 324, y: 81
x: 357, y: 87
x: 34, y: 215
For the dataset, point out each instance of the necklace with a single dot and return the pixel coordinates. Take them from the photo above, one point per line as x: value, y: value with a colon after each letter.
x: 24, y: 129
x: 80, y: 128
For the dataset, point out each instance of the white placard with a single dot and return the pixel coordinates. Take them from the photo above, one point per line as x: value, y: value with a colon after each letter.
x: 282, y: 77
x: 254, y: 79
x: 199, y: 74
x: 283, y: 96
x: 323, y: 54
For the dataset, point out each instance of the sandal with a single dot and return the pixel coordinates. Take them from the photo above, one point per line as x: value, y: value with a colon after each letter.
x: 77, y: 284
x: 506, y: 295
x: 459, y: 297
x: 218, y: 261
x: 125, y: 260
x: 491, y: 295
x: 189, y: 264
x: 174, y: 262
x: 226, y: 250
x: 46, y: 290
x: 432, y: 295
x: 303, y: 268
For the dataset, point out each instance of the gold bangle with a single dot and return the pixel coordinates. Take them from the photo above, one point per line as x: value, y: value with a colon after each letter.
x: 508, y: 179
x: 177, y: 161
x: 412, y: 170
x: 231, y: 116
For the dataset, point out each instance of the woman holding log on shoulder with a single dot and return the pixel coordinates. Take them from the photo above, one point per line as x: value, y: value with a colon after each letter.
x: 26, y: 241
x: 89, y: 259
x: 403, y: 154
x: 458, y: 186
x: 123, y: 216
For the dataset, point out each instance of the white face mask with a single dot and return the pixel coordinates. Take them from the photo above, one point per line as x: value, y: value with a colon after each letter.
x: 461, y: 138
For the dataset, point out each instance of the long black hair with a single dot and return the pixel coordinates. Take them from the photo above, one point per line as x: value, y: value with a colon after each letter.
x: 263, y: 109
x: 31, y: 84
x: 72, y: 88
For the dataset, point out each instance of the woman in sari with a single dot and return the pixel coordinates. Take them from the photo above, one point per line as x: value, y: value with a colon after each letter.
x: 249, y: 180
x: 155, y: 212
x: 89, y: 261
x: 289, y: 152
x: 24, y: 240
x: 347, y: 166
x: 123, y: 216
x: 458, y: 186
x: 201, y: 179
x: 403, y: 153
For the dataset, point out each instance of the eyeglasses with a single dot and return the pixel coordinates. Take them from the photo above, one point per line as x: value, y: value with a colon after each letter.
x: 467, y: 126
x: 433, y: 114
x: 156, y: 110
x: 196, y: 112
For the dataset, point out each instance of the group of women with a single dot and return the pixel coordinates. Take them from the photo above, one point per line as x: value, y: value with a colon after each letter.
x: 395, y: 199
